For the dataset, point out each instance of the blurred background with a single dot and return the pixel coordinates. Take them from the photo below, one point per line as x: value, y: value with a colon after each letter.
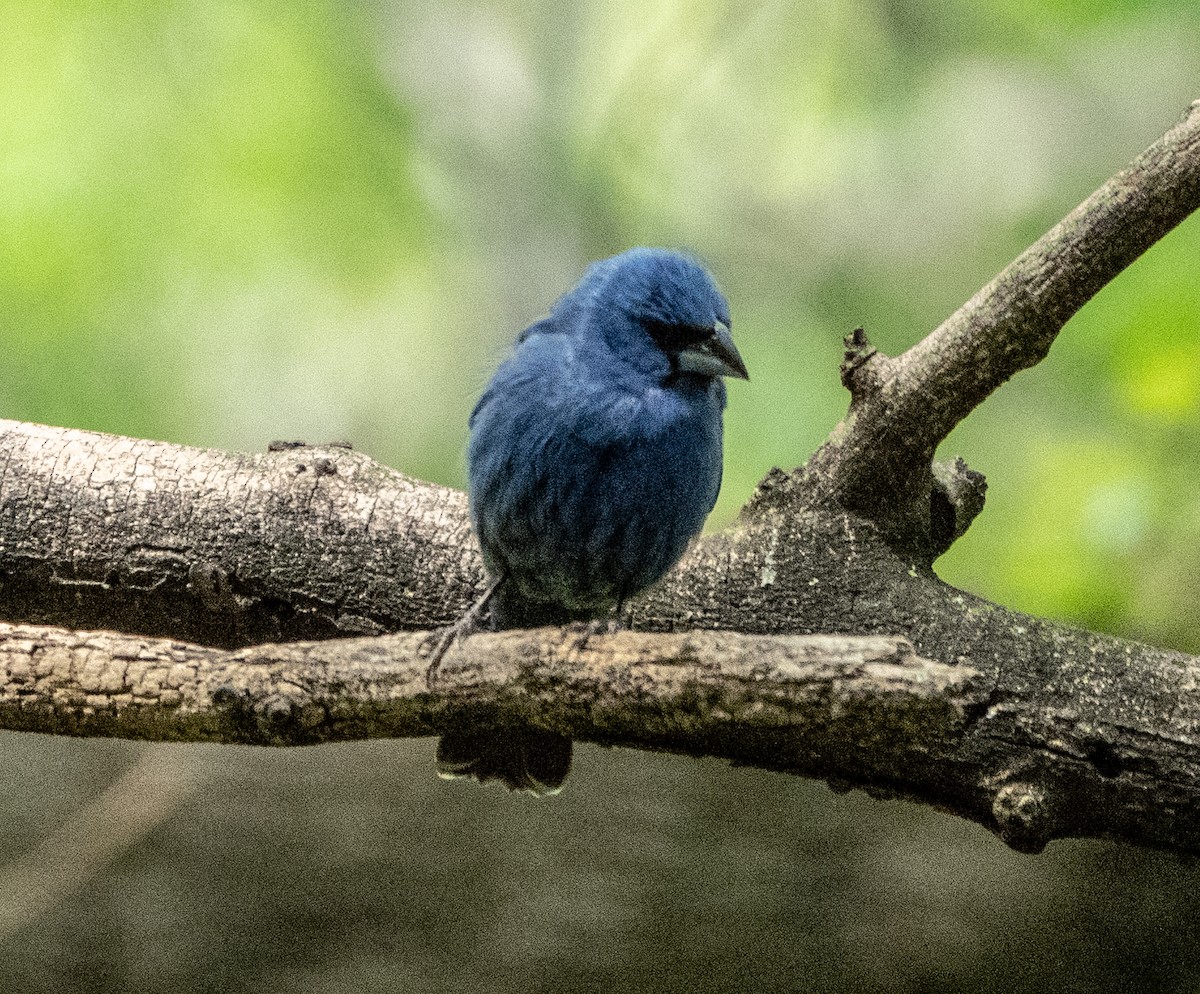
x: 224, y: 223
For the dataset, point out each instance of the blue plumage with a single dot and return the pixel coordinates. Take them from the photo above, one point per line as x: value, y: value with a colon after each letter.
x: 595, y: 451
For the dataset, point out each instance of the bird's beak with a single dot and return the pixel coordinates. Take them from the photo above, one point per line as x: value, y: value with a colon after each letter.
x: 715, y: 356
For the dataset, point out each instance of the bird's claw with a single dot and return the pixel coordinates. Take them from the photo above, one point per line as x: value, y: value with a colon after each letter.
x: 441, y: 639
x: 584, y: 631
x: 468, y: 624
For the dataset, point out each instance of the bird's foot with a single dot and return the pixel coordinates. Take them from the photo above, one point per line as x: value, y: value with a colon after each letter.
x: 443, y: 638
x: 584, y: 631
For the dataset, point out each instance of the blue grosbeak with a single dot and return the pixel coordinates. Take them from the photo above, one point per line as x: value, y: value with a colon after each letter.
x: 594, y: 458
x: 595, y: 451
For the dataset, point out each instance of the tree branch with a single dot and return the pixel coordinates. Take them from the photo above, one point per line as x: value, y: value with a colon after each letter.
x: 1101, y: 732
x: 856, y: 710
x: 224, y: 549
x: 1044, y: 730
x: 878, y: 460
x: 766, y: 699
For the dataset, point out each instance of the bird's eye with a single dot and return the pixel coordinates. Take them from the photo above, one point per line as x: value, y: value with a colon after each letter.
x: 675, y: 337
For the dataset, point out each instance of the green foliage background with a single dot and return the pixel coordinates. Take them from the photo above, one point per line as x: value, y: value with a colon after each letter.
x: 223, y: 223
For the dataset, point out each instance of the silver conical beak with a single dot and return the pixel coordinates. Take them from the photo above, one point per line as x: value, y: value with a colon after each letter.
x: 715, y: 356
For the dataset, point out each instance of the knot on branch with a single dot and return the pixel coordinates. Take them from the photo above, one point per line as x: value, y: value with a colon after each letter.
x: 1023, y: 817
x: 777, y: 490
x: 274, y: 715
x: 863, y: 366
x: 955, y: 499
x: 211, y: 585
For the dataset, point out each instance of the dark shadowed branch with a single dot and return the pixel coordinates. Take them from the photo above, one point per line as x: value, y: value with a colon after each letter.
x: 1035, y: 729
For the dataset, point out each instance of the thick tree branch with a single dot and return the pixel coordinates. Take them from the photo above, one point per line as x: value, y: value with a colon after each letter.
x: 225, y: 549
x: 1064, y: 716
x: 878, y: 460
x: 1051, y: 730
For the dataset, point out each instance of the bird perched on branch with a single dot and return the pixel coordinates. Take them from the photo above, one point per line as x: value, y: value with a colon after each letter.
x: 594, y: 458
x: 595, y: 451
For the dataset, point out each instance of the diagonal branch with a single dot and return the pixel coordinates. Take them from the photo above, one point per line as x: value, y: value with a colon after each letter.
x: 877, y: 462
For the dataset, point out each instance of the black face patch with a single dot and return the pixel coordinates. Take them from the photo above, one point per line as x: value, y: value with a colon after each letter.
x: 673, y: 337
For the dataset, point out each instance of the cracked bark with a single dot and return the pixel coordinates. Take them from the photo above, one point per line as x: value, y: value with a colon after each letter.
x: 878, y: 459
x: 783, y: 702
x: 1037, y: 730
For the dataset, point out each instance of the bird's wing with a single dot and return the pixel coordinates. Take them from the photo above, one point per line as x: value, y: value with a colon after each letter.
x: 574, y: 392
x: 533, y: 366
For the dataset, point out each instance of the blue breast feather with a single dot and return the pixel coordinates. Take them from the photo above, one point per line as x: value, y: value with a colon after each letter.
x: 592, y: 459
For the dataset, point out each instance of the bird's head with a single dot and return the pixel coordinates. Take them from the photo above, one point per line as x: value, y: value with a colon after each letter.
x: 654, y: 305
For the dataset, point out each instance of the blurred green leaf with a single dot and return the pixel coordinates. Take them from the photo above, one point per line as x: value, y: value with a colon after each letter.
x: 222, y: 223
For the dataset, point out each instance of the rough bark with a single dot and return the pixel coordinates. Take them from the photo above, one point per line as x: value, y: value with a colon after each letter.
x: 878, y: 460
x: 1099, y: 730
x: 777, y: 701
x: 1049, y: 731
x: 224, y: 549
x: 854, y: 709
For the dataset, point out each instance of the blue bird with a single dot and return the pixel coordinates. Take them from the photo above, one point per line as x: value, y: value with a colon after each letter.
x: 595, y: 451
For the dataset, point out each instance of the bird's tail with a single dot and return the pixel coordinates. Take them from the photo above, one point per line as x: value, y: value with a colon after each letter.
x: 530, y: 760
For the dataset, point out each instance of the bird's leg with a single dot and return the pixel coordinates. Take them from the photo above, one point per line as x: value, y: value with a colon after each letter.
x: 615, y: 622
x: 465, y: 626
x: 607, y: 626
x: 610, y: 625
